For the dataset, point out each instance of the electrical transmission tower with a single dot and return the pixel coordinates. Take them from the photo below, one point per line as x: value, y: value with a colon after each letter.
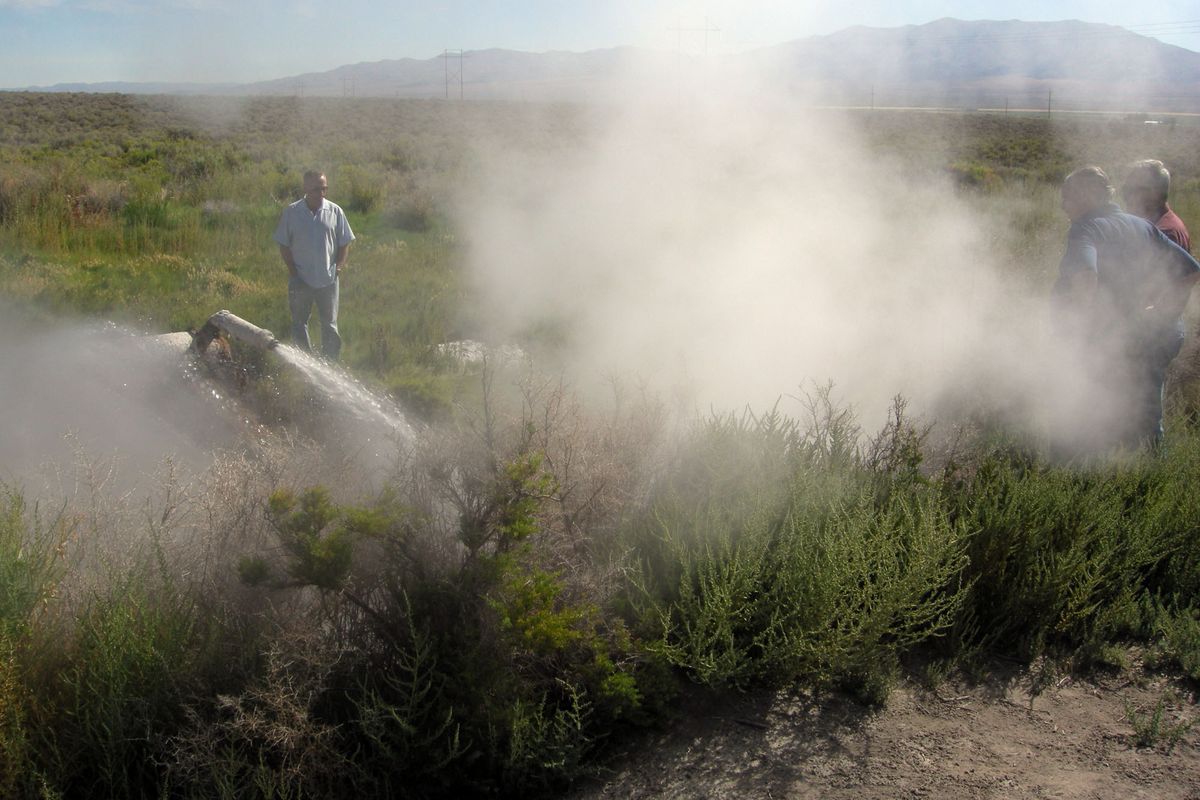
x: 452, y: 76
x: 680, y: 30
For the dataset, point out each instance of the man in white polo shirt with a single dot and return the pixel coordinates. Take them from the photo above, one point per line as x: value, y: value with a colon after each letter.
x: 314, y: 240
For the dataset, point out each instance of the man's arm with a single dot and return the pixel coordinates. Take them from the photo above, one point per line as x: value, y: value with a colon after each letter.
x: 345, y: 236
x: 1074, y: 296
x: 1079, y: 272
x: 1170, y: 298
x: 285, y: 253
x: 342, y: 253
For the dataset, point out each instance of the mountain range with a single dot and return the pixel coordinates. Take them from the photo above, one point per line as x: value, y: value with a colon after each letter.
x: 946, y: 63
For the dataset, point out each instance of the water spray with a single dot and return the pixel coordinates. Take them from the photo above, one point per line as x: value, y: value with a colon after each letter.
x: 365, y: 419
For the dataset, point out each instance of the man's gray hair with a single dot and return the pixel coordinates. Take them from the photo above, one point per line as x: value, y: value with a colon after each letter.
x: 1089, y: 182
x: 311, y: 175
x: 1150, y: 173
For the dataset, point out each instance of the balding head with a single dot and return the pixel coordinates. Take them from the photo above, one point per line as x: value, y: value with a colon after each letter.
x: 1146, y: 188
x: 315, y: 186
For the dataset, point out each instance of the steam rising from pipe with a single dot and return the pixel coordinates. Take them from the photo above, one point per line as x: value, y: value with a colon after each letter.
x: 110, y: 393
x: 728, y: 242
x: 97, y: 392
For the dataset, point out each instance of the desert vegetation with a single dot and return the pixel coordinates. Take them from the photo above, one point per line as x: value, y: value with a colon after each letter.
x: 543, y: 572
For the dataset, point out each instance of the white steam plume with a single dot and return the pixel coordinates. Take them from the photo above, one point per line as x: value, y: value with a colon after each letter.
x: 99, y: 392
x: 735, y: 243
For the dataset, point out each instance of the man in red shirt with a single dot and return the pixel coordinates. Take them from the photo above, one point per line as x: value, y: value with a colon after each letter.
x: 1145, y: 193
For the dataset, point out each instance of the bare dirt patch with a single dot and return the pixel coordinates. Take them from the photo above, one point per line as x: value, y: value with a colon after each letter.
x: 1004, y: 738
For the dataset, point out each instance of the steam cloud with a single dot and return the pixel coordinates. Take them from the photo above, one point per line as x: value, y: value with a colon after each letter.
x: 734, y: 245
x: 97, y: 392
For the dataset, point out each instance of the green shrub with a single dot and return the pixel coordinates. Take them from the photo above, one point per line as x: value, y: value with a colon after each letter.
x: 119, y: 692
x: 361, y: 192
x: 413, y: 210
x: 978, y: 176
x: 825, y: 582
x: 1150, y: 729
x: 1176, y: 641
x: 404, y: 730
x: 31, y: 565
x: 1064, y: 557
x: 319, y: 557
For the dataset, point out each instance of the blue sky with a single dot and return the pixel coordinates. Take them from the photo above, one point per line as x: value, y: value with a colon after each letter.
x: 53, y: 41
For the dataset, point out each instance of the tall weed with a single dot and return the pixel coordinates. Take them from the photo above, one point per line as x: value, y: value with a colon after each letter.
x: 119, y: 689
x: 31, y: 565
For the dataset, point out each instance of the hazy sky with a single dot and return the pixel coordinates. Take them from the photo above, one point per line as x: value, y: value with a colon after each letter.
x: 52, y: 41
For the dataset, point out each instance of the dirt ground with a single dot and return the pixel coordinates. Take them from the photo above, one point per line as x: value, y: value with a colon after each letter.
x: 1076, y: 738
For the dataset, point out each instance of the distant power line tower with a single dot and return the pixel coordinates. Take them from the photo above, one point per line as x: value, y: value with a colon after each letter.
x: 451, y: 76
x: 680, y: 30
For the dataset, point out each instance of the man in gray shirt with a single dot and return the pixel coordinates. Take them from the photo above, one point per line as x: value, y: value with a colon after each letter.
x: 314, y: 240
x: 1122, y: 288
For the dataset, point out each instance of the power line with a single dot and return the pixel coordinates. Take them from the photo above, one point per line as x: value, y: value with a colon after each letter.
x: 1188, y: 26
x: 1148, y: 30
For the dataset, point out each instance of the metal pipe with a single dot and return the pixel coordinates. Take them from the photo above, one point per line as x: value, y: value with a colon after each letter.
x: 237, y: 328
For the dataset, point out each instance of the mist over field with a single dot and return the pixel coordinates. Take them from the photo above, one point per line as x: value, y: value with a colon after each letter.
x: 93, y: 391
x: 730, y: 247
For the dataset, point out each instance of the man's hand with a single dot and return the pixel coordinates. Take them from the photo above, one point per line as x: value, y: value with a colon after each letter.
x: 339, y: 261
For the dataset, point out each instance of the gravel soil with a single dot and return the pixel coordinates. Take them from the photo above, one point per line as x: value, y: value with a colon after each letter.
x: 1020, y: 736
